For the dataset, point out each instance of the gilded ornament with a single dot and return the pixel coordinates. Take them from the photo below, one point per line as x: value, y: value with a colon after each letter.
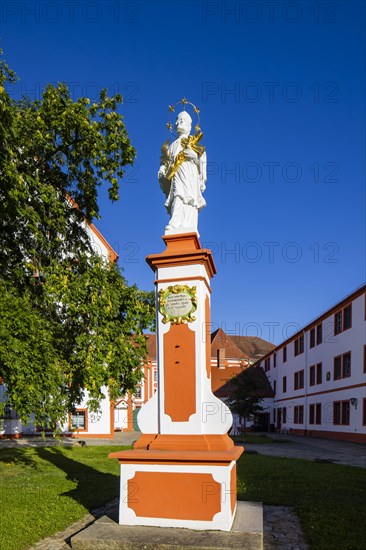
x: 178, y: 303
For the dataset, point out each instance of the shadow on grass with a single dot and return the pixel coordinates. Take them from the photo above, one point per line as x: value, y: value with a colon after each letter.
x: 14, y: 455
x: 93, y: 489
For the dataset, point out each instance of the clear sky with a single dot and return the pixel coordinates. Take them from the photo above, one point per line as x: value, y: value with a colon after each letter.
x: 281, y: 89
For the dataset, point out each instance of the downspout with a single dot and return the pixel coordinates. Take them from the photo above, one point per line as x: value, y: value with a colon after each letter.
x: 305, y: 383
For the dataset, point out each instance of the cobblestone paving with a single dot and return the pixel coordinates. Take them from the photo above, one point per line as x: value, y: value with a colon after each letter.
x: 282, y: 529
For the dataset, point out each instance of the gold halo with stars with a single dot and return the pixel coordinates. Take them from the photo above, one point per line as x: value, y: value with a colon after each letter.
x: 184, y: 101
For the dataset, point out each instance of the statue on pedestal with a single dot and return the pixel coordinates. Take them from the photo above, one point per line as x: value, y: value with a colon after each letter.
x: 182, y: 174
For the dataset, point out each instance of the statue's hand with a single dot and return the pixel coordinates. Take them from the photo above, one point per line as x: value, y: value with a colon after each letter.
x: 161, y: 173
x: 190, y: 154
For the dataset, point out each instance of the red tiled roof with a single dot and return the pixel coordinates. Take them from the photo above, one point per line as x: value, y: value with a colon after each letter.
x: 151, y: 346
x: 236, y: 347
x: 253, y: 346
x: 220, y: 340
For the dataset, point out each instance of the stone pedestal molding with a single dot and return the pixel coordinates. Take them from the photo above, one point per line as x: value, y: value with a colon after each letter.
x: 182, y: 471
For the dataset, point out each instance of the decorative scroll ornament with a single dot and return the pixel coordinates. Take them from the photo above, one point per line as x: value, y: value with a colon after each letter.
x: 177, y: 304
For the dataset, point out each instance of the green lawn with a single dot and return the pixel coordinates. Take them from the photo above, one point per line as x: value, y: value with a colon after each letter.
x: 43, y: 490
x: 329, y: 499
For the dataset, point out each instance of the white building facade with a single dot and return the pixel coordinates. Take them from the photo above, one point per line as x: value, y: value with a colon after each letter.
x: 83, y: 423
x: 319, y: 375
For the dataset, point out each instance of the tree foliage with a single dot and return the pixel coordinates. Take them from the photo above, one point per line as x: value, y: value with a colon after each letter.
x: 246, y: 398
x: 68, y: 320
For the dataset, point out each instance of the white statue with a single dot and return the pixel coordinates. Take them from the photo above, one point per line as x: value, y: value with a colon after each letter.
x: 182, y: 176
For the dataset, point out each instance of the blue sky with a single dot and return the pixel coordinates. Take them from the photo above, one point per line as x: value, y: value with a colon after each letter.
x: 281, y: 89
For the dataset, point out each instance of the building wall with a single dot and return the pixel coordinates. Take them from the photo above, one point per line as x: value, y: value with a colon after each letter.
x: 127, y: 406
x: 327, y: 395
x: 93, y: 424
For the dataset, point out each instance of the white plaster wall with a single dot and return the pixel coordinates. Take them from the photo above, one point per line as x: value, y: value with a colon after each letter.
x: 328, y: 391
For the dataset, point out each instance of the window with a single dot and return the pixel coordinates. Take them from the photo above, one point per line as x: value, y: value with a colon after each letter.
x: 364, y: 358
x: 319, y: 373
x: 342, y: 366
x: 274, y: 416
x: 312, y: 375
x: 338, y: 322
x: 336, y: 412
x: 319, y: 334
x: 337, y: 367
x: 318, y: 413
x: 311, y: 414
x: 299, y: 380
x: 274, y: 360
x: 284, y: 384
x: 78, y: 420
x: 299, y: 414
x: 312, y: 337
x: 316, y: 374
x: 46, y: 425
x: 267, y: 364
x: 299, y: 345
x: 346, y: 365
x: 316, y: 335
x: 345, y: 412
x: 343, y: 319
x: 284, y: 354
x: 274, y: 387
x: 8, y: 411
x: 364, y: 412
x: 347, y: 317
x: 341, y: 412
x: 284, y: 415
x: 155, y: 375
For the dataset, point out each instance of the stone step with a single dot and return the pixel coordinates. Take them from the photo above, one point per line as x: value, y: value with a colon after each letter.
x: 107, y: 534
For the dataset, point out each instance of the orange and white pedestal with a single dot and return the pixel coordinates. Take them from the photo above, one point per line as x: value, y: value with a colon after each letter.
x: 182, y: 471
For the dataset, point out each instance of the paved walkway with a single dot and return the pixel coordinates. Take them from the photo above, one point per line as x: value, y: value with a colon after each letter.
x: 311, y: 448
x: 308, y: 448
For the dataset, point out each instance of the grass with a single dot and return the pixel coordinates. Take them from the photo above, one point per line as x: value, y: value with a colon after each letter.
x: 257, y: 439
x: 329, y: 499
x: 43, y: 490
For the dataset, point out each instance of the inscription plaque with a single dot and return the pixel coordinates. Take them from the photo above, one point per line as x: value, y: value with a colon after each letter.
x: 177, y: 304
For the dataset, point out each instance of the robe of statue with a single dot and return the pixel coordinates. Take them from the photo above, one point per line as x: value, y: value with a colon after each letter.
x: 184, y: 190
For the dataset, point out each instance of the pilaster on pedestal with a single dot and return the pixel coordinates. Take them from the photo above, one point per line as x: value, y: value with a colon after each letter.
x: 182, y: 471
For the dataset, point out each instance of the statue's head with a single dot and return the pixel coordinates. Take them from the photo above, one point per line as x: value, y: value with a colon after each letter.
x: 183, y: 123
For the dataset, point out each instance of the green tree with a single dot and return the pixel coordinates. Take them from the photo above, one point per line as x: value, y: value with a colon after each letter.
x: 246, y: 397
x: 68, y: 320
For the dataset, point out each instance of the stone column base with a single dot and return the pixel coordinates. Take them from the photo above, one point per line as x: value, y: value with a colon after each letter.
x: 190, y: 489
